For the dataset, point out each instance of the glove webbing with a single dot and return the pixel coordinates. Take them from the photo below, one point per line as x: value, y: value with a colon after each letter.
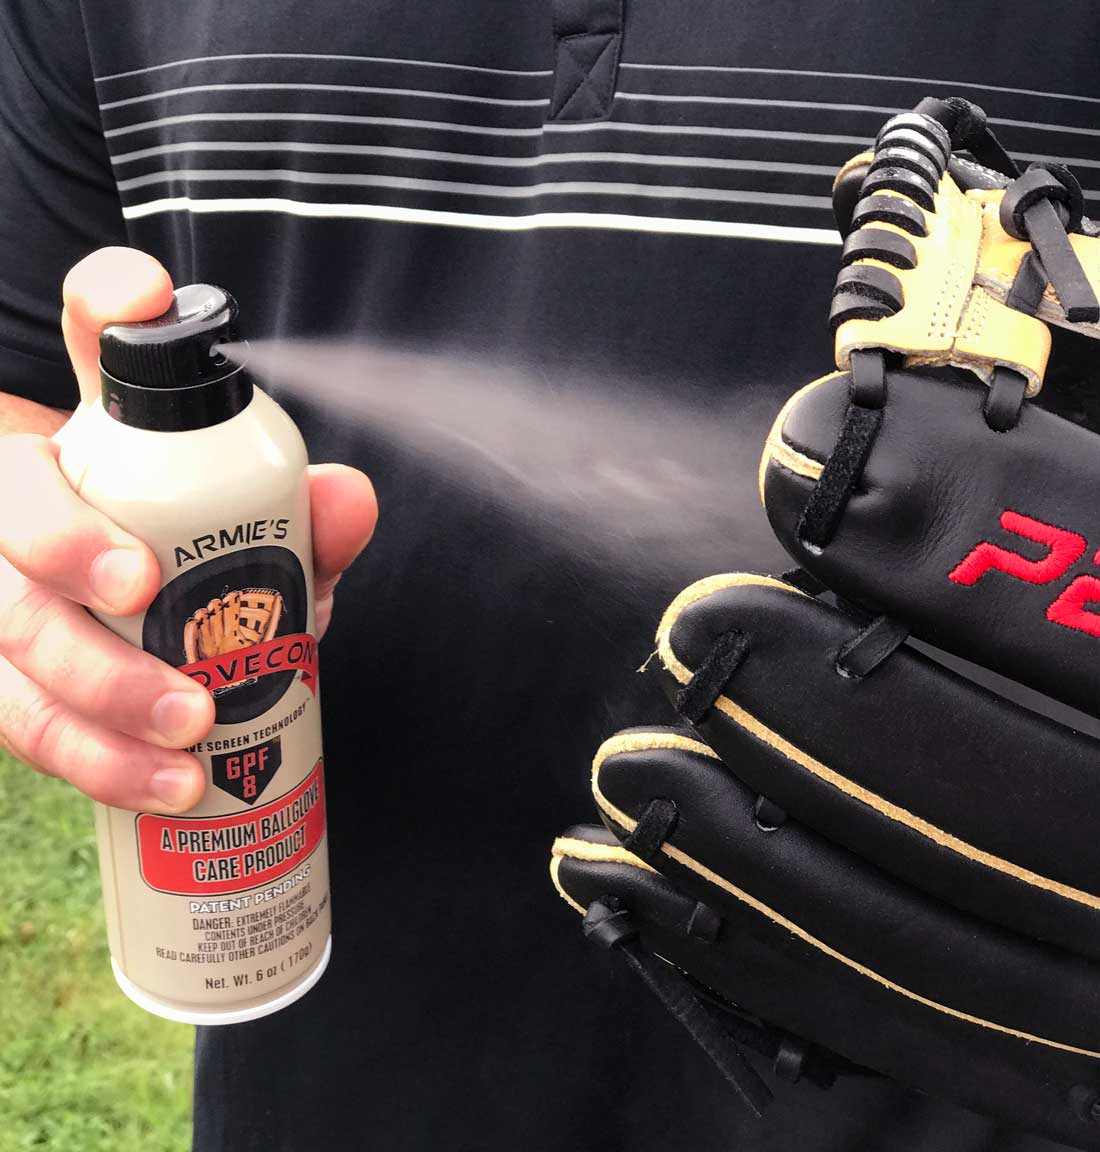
x: 1042, y: 206
x: 843, y: 470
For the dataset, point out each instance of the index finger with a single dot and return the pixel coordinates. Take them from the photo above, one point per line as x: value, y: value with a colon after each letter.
x: 111, y: 286
x: 55, y: 539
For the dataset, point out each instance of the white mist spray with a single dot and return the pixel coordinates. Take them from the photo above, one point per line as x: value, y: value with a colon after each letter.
x: 637, y: 479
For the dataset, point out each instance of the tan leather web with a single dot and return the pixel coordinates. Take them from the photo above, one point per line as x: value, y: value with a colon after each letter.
x: 657, y: 740
x: 954, y: 311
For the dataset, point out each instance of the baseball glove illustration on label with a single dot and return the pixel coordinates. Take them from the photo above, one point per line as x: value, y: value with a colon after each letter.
x: 237, y: 619
x: 237, y: 625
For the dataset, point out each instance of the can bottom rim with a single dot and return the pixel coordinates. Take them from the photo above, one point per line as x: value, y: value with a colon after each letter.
x: 216, y: 1016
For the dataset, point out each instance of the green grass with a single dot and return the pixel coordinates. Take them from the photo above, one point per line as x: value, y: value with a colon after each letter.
x: 81, y: 1068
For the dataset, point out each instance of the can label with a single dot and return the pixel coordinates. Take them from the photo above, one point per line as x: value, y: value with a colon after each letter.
x: 228, y: 905
x: 281, y: 654
x: 246, y: 774
x: 196, y: 856
x: 237, y: 624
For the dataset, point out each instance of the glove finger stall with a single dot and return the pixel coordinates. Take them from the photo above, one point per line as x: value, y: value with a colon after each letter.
x: 860, y: 963
x: 918, y: 770
x: 985, y: 543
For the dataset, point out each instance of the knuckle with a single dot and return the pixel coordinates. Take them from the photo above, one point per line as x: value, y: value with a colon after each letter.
x: 114, y: 686
x: 11, y: 748
x: 43, y: 725
x: 23, y: 621
x: 55, y: 554
x: 53, y: 534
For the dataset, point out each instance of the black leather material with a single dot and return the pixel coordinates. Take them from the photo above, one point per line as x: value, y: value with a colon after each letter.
x: 934, y: 487
x: 768, y: 970
x: 894, y: 929
x: 889, y: 209
x: 929, y: 909
x: 667, y: 909
x: 919, y: 131
x: 889, y: 247
x: 922, y: 738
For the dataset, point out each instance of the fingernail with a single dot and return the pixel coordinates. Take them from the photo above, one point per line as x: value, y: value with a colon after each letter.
x: 116, y: 577
x: 174, y: 788
x: 178, y: 715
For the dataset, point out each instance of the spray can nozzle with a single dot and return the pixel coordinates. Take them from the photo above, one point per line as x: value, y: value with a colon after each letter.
x: 171, y: 373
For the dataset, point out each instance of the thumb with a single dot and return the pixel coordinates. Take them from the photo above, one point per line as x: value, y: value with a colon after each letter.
x: 111, y: 286
x: 344, y: 513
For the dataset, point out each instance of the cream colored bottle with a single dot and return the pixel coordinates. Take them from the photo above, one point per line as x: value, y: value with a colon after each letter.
x: 222, y: 914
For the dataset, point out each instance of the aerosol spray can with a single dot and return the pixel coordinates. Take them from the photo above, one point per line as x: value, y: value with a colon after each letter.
x: 222, y: 914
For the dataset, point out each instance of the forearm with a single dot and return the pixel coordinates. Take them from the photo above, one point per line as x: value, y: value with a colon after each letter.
x: 19, y: 415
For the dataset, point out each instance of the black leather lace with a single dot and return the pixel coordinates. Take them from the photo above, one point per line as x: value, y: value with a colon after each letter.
x: 1044, y: 206
x: 721, y: 1030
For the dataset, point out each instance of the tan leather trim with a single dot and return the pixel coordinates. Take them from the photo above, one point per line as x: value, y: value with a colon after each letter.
x: 699, y: 591
x: 935, y: 290
x: 641, y: 742
x: 785, y: 748
x: 644, y: 741
x: 597, y: 853
x: 586, y: 850
x: 555, y: 864
x: 628, y: 824
x: 777, y: 449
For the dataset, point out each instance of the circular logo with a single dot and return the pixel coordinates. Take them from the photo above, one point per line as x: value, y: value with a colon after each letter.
x: 221, y: 617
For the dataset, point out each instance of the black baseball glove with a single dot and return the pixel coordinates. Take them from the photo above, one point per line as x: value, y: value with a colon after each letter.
x: 857, y: 853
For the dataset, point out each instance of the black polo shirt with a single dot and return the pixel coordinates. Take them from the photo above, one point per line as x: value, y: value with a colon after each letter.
x: 640, y: 196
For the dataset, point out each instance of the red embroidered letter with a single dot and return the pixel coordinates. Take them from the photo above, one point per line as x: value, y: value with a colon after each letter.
x: 1071, y: 608
x: 1065, y: 547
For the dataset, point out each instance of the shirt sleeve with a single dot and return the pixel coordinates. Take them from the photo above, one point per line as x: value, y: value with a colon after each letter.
x: 58, y: 200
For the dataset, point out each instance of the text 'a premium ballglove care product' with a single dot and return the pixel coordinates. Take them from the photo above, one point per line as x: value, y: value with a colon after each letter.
x: 222, y: 914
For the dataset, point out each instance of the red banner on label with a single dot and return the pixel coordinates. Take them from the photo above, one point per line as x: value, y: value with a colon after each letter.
x: 283, y: 654
x: 212, y: 855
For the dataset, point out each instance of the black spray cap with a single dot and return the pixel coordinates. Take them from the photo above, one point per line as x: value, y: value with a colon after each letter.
x: 169, y: 374
x: 176, y: 350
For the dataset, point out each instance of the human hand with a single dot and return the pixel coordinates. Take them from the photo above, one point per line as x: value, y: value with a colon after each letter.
x: 76, y: 701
